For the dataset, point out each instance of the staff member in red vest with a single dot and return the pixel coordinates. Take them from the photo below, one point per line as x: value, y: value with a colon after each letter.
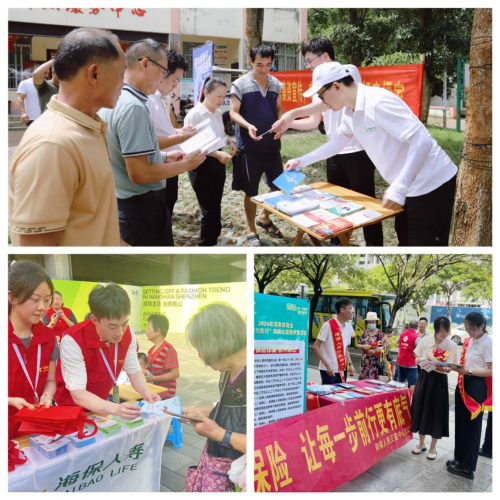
x: 58, y: 317
x: 473, y: 395
x: 32, y: 348
x: 94, y: 352
x: 333, y: 342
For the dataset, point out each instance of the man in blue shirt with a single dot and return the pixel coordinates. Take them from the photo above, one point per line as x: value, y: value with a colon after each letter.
x: 255, y: 106
x: 139, y: 168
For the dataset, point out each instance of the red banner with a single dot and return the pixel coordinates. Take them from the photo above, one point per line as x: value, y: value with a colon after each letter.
x: 322, y: 449
x: 406, y: 81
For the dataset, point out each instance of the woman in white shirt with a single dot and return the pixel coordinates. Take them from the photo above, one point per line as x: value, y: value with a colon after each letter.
x: 208, y: 179
x: 430, y: 405
x: 472, y: 396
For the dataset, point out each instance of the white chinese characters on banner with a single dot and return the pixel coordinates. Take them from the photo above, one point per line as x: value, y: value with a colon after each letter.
x: 127, y: 461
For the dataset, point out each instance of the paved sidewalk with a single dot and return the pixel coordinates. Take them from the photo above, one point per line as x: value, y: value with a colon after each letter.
x: 401, y: 471
x: 197, y: 386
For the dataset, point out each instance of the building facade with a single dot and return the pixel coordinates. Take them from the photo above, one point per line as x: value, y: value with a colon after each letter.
x: 34, y: 34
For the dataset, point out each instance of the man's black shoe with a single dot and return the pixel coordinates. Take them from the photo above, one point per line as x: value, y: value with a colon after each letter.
x: 460, y: 472
x: 485, y: 453
x: 452, y: 462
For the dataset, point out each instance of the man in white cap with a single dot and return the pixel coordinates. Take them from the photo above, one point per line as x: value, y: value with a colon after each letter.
x: 352, y: 167
x: 422, y: 177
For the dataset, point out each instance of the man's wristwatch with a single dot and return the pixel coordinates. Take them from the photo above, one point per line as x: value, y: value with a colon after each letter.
x: 226, y: 439
x: 469, y: 372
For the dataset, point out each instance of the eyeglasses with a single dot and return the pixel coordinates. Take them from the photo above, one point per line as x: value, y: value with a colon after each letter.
x: 167, y: 72
x: 328, y: 86
x: 309, y: 61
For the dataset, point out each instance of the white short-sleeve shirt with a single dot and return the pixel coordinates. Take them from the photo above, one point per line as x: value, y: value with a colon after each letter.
x: 31, y: 104
x: 73, y: 367
x: 200, y: 113
x: 479, y: 353
x: 325, y: 335
x: 382, y: 122
x: 428, y: 344
x: 161, y: 117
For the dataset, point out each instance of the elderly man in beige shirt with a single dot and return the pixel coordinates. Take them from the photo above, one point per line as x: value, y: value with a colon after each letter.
x: 61, y: 188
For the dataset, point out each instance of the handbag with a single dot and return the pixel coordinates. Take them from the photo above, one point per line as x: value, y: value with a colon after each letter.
x: 62, y: 420
x: 16, y: 456
x: 211, y: 473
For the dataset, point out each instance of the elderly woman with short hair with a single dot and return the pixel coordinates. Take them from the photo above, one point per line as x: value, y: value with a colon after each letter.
x: 218, y: 333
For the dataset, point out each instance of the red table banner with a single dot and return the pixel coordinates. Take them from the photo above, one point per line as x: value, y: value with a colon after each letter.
x: 404, y: 80
x: 322, y: 449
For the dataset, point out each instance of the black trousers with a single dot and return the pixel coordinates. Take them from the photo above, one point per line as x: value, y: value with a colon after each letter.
x: 172, y: 193
x: 145, y: 220
x: 357, y: 172
x: 329, y: 379
x: 208, y: 184
x: 488, y: 437
x: 467, y: 431
x: 426, y: 220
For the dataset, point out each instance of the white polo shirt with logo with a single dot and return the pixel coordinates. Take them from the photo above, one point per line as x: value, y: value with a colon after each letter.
x: 382, y: 122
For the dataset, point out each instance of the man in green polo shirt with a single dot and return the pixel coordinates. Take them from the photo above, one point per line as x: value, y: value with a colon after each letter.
x: 45, y: 88
x: 138, y: 165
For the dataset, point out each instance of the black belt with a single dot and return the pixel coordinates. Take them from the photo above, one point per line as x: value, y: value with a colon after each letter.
x: 149, y: 195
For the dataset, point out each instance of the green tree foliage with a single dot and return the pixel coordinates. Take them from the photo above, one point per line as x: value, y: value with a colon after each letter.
x: 364, y: 35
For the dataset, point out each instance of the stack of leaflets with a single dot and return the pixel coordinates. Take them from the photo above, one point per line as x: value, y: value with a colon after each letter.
x: 50, y: 446
x: 261, y: 197
x: 397, y: 385
x: 346, y: 209
x: 301, y: 189
x: 335, y: 397
x: 331, y: 227
x: 107, y: 426
x: 272, y: 202
x: 131, y: 424
x: 317, y: 195
x: 347, y: 386
x: 364, y: 390
x: 332, y: 202
x: 374, y: 382
x: 363, y: 217
x: 81, y: 443
x: 355, y: 395
x: 319, y: 390
x: 313, y: 218
x: 386, y: 389
x: 289, y: 180
x: 297, y: 206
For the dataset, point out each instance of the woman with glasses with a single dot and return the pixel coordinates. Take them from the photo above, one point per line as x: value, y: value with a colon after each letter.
x: 421, y: 176
x: 473, y: 395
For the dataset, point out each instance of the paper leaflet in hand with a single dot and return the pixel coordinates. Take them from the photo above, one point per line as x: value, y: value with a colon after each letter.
x: 214, y: 146
x: 159, y: 408
x: 202, y: 140
x: 289, y: 180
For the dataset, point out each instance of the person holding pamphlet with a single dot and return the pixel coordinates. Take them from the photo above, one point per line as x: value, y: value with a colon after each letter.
x: 58, y: 317
x: 255, y: 106
x: 218, y: 333
x: 472, y: 396
x: 430, y: 405
x: 333, y: 342
x: 32, y: 350
x: 209, y: 178
x: 94, y: 352
x: 352, y: 167
x: 422, y: 177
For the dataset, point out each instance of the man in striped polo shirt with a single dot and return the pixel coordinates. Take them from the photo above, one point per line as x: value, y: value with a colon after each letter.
x: 163, y: 363
x: 255, y: 106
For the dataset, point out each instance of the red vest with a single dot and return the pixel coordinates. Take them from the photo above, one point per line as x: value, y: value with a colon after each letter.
x: 60, y: 325
x: 19, y: 387
x: 99, y: 381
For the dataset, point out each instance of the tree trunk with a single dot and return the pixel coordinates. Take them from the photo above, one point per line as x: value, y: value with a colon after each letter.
x: 473, y: 203
x: 353, y: 19
x: 254, y: 29
x: 425, y: 20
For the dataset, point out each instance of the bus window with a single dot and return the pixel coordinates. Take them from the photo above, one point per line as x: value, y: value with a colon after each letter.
x: 386, y: 316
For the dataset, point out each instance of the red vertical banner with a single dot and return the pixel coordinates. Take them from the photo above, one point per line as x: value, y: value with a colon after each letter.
x: 406, y: 81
